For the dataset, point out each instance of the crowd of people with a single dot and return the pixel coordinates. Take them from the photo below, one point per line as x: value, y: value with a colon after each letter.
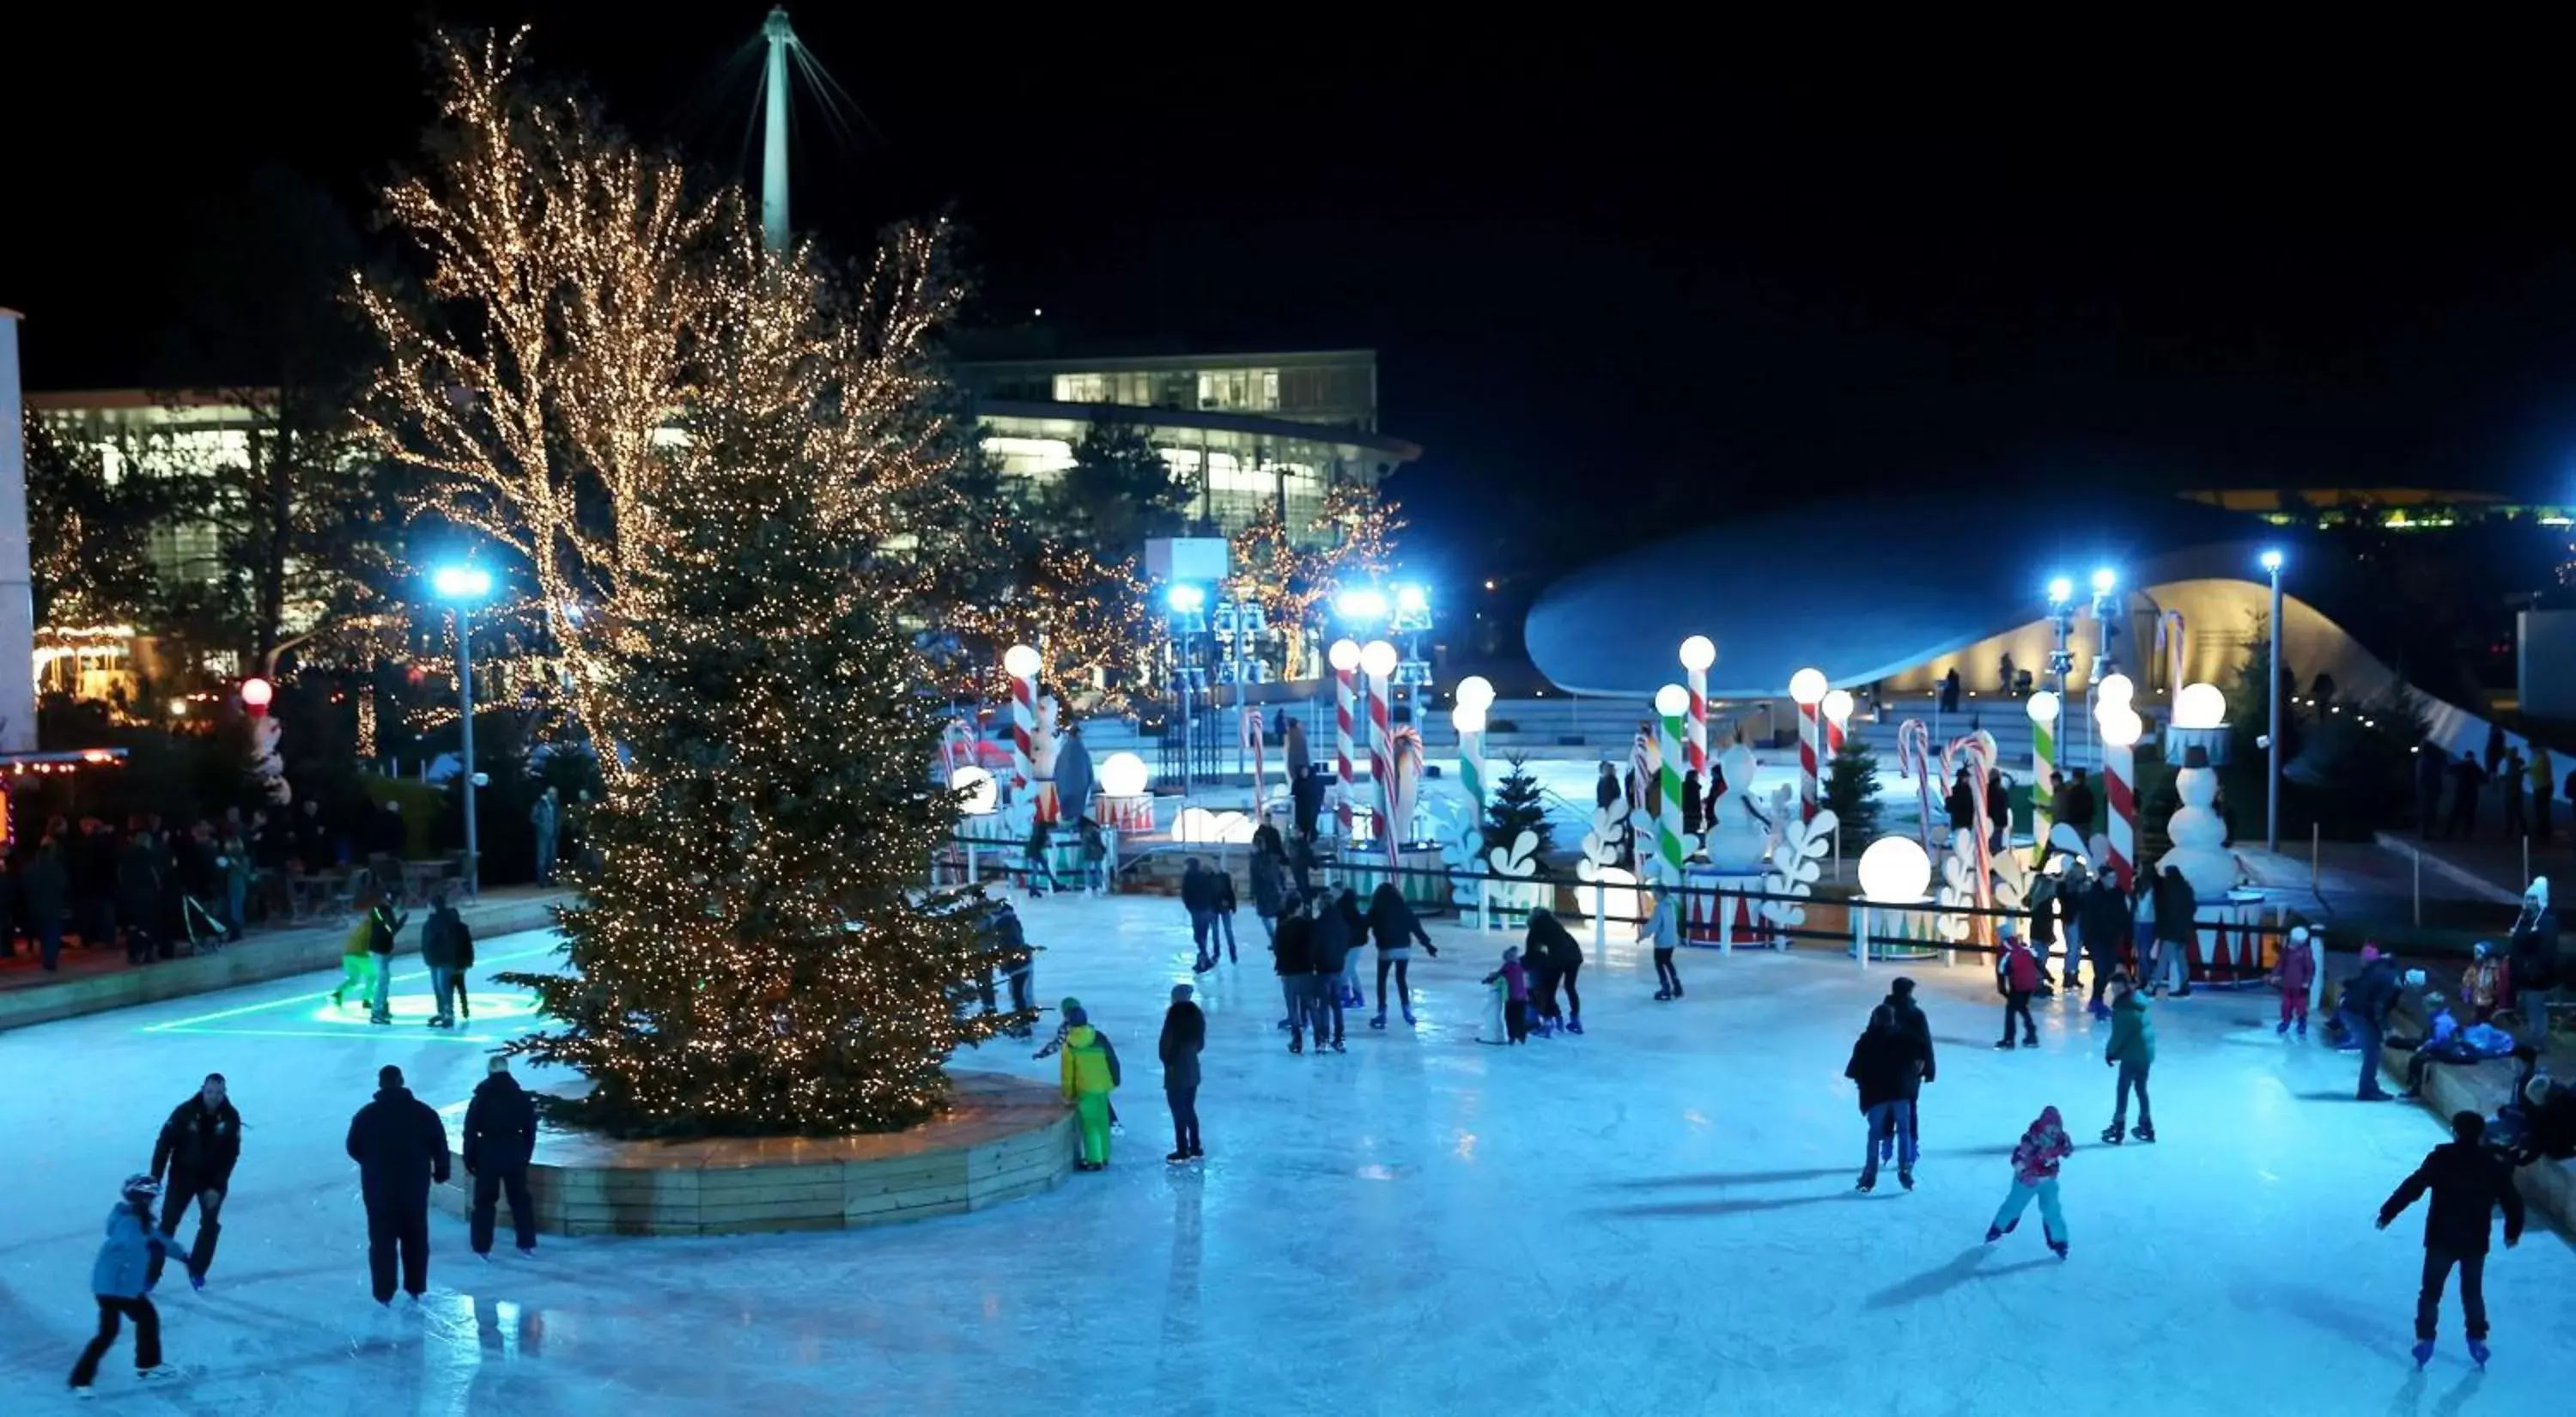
x: 400, y: 1148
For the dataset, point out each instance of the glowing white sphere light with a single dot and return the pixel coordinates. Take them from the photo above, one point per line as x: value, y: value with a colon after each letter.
x: 1672, y: 701
x: 1344, y: 655
x: 2043, y: 707
x: 1699, y: 652
x: 1894, y: 868
x: 1123, y: 775
x: 2200, y: 706
x: 1377, y: 659
x: 256, y: 693
x: 2121, y: 726
x: 1020, y: 662
x: 1476, y: 692
x: 1838, y: 707
x: 982, y: 796
x: 1467, y: 718
x: 1807, y: 686
x: 2115, y: 690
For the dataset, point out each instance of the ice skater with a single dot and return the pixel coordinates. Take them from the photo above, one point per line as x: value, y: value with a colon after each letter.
x: 2292, y: 974
x: 1198, y: 898
x: 1292, y: 958
x: 384, y: 923
x: 1551, y: 949
x: 2467, y: 1185
x: 2132, y: 1050
x: 1909, y: 1017
x: 1394, y: 927
x: 500, y: 1138
x: 1225, y: 908
x: 1088, y: 1071
x: 2364, y: 1010
x: 447, y: 947
x: 1888, y: 1064
x: 1065, y: 1009
x: 1184, y: 1036
x: 117, y: 1279
x: 1355, y: 922
x: 2016, y: 978
x: 1664, y: 927
x: 2034, y: 1164
x: 196, y: 1153
x: 401, y: 1150
x: 1511, y: 996
x: 1330, y: 943
x: 357, y: 959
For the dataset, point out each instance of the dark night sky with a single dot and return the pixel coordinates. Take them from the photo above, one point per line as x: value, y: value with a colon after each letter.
x: 1697, y: 271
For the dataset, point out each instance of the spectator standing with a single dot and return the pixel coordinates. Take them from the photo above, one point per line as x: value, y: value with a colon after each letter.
x: 1184, y: 1036
x: 500, y: 1139
x: 46, y: 884
x: 546, y: 819
x: 446, y: 947
x: 2467, y: 780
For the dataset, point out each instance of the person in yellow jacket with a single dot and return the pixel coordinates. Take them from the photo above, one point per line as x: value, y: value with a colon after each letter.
x: 1089, y: 1069
x: 357, y: 964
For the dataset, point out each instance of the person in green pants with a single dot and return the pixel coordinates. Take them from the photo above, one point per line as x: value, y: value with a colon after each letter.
x: 1089, y: 1069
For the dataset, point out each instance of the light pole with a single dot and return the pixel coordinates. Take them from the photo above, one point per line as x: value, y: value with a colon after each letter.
x: 461, y: 587
x: 2272, y: 693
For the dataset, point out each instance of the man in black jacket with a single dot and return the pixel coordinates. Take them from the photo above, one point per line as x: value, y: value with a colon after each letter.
x: 2104, y: 924
x: 1198, y: 897
x: 2364, y: 1010
x: 446, y: 947
x: 2467, y: 1186
x: 1910, y: 1020
x: 500, y: 1137
x: 196, y: 1152
x: 401, y: 1150
x: 2074, y: 805
x: 1184, y: 1035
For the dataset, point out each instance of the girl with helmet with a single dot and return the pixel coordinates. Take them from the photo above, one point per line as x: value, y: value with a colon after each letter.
x: 118, y: 1280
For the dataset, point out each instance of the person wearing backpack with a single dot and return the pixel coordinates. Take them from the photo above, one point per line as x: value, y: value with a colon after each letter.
x: 1088, y: 1072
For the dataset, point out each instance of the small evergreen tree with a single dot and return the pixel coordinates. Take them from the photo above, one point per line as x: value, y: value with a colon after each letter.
x: 1851, y: 791
x: 1517, y: 806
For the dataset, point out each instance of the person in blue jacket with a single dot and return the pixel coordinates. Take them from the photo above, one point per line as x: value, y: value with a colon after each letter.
x: 117, y: 1279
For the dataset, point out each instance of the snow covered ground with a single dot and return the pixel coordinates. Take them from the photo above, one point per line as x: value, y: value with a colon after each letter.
x: 1656, y: 1218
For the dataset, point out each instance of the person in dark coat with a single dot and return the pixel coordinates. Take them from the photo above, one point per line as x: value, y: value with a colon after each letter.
x: 1909, y: 1018
x: 1396, y: 930
x: 2511, y: 777
x: 2467, y: 1185
x: 1690, y: 802
x: 1226, y: 906
x: 1606, y: 792
x: 1198, y: 897
x: 1950, y: 690
x: 2074, y: 804
x: 401, y: 1150
x: 2532, y: 962
x: 1888, y: 1063
x: 2041, y: 928
x: 2364, y: 1011
x: 500, y: 1138
x: 2105, y: 925
x: 1550, y: 949
x: 193, y: 1161
x: 2467, y: 780
x: 1292, y: 958
x: 1961, y: 803
x: 2177, y: 911
x: 1306, y: 796
x: 139, y: 869
x: 1184, y: 1035
x: 1270, y: 887
x: 1329, y: 942
x: 1998, y: 810
x: 446, y: 947
x: 46, y: 882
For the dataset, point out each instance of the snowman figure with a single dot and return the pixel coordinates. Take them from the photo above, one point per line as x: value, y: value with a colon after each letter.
x: 1738, y: 838
x: 2198, y: 832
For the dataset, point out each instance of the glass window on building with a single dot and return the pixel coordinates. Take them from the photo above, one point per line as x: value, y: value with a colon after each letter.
x: 1239, y: 390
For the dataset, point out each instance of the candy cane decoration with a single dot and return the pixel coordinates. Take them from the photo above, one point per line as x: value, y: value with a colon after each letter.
x: 957, y: 734
x: 2119, y: 774
x: 1808, y: 721
x: 1980, y: 753
x: 1671, y: 754
x: 1642, y: 773
x: 1377, y: 663
x: 1020, y: 662
x: 1404, y: 778
x: 1345, y: 658
x: 1914, y: 755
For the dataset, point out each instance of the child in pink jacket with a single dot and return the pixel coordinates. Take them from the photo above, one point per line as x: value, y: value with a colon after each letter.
x: 2292, y: 976
x: 2035, y: 1174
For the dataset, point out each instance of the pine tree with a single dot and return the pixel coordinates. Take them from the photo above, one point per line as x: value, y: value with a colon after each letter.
x: 1516, y: 806
x: 1851, y: 791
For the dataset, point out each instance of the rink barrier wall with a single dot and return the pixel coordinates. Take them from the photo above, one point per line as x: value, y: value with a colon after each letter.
x: 1006, y: 1138
x: 256, y: 959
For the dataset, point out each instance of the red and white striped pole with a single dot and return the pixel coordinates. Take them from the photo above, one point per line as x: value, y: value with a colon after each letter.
x: 1698, y: 653
x: 1021, y: 663
x: 1377, y: 661
x: 2120, y: 730
x: 1838, y: 711
x: 1345, y: 659
x: 1807, y: 688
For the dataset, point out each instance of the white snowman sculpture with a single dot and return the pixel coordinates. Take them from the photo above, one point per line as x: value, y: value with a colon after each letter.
x: 1736, y: 838
x: 2198, y: 835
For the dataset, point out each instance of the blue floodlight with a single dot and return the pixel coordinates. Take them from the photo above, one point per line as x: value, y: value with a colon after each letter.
x: 1185, y: 598
x: 2060, y: 591
x: 2272, y: 561
x: 1412, y: 599
x: 2103, y: 580
x: 461, y: 582
x: 1362, y: 603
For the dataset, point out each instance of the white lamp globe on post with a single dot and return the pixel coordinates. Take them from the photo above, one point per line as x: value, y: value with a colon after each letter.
x: 1377, y: 662
x: 1123, y: 775
x: 2272, y: 695
x: 2114, y: 691
x: 2200, y: 706
x: 1344, y: 656
x: 982, y: 796
x: 1895, y: 872
x: 1020, y: 661
x: 1377, y: 659
x: 1698, y: 653
x: 1474, y: 691
x: 2043, y: 707
x: 463, y: 588
x: 256, y: 695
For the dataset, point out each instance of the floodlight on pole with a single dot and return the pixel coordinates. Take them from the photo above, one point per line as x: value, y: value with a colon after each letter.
x: 2104, y: 580
x: 1361, y: 604
x: 1185, y: 599
x: 2060, y: 591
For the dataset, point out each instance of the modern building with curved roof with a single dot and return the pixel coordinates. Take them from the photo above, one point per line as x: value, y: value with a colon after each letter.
x: 1897, y: 591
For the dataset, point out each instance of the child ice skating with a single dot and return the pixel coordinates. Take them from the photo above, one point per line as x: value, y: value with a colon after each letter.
x: 116, y: 1280
x: 2292, y: 976
x: 1511, y: 988
x: 2017, y: 978
x: 2034, y: 1164
x: 2132, y: 1050
x: 1088, y: 1071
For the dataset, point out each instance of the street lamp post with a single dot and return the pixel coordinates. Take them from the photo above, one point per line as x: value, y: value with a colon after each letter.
x: 2272, y: 787
x: 461, y: 587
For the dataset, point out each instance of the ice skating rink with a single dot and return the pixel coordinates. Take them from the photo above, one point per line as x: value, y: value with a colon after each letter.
x: 1656, y: 1218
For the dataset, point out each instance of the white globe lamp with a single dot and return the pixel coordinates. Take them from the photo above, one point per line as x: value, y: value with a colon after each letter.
x: 982, y: 796
x: 2121, y: 726
x: 1476, y: 692
x: 1672, y: 701
x: 1838, y: 707
x: 2115, y: 690
x: 1807, y: 687
x: 1698, y: 653
x: 1467, y: 718
x: 1895, y: 870
x: 1344, y: 656
x: 2200, y: 706
x: 1123, y: 775
x: 1377, y: 659
x: 1020, y: 662
x: 2043, y: 708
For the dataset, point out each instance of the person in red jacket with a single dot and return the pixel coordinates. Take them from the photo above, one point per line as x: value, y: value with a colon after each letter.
x: 2035, y: 1163
x: 2292, y: 976
x: 2017, y: 977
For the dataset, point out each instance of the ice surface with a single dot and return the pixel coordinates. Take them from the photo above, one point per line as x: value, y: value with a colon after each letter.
x: 1656, y: 1218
